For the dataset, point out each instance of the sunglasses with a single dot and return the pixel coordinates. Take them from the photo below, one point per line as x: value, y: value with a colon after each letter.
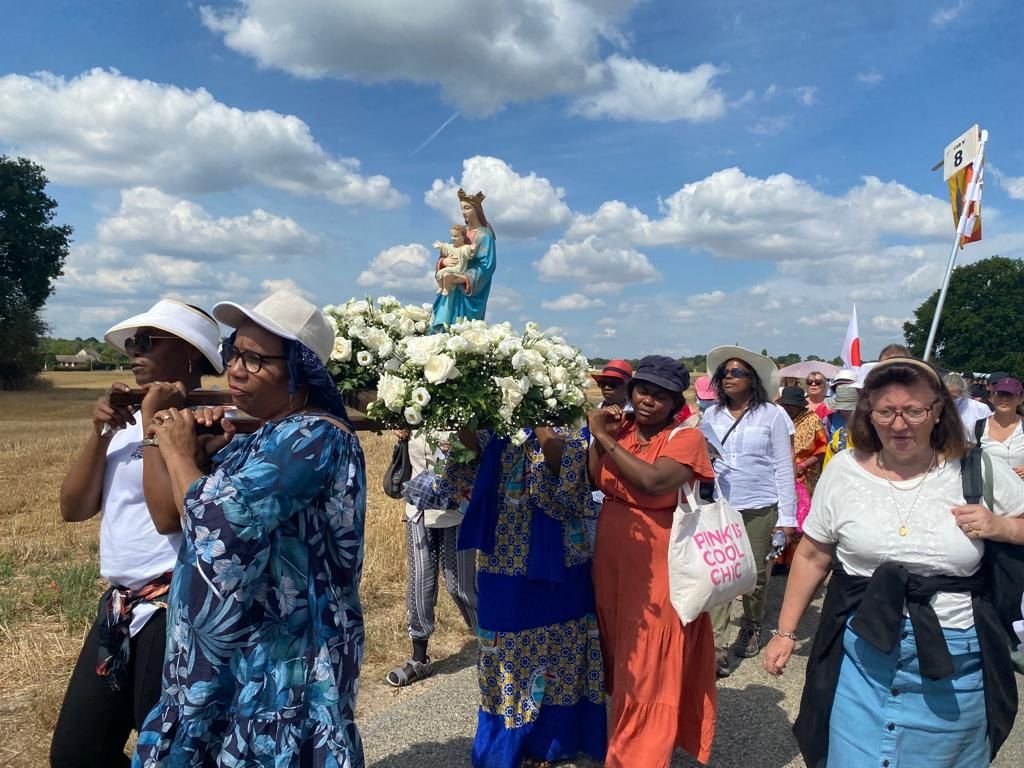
x: 815, y: 382
x: 251, y: 361
x: 610, y: 383
x: 142, y: 342
x: 735, y: 373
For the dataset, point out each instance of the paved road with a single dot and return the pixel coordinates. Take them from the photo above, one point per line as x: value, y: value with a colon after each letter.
x: 433, y: 726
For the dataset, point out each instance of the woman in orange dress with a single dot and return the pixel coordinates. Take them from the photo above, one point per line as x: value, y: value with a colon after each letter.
x: 660, y: 675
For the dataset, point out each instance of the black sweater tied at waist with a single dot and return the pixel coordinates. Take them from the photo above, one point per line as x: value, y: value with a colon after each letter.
x: 876, y: 603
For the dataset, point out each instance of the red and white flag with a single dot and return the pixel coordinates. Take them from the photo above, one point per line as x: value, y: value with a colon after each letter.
x: 851, y: 344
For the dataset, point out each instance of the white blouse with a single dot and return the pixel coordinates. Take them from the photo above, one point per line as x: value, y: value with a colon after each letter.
x: 854, y: 510
x: 1010, y: 450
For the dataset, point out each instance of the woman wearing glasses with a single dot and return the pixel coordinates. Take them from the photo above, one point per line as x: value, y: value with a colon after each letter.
x: 265, y: 624
x: 117, y: 678
x: 817, y: 389
x: 889, y: 521
x: 753, y: 437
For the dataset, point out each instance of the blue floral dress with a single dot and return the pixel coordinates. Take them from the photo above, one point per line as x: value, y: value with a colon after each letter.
x: 540, y: 669
x: 265, y: 625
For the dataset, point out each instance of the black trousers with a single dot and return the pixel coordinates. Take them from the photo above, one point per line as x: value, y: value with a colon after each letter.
x: 95, y: 721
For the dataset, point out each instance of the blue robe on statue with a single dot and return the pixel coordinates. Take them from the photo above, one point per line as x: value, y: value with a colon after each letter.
x: 459, y: 304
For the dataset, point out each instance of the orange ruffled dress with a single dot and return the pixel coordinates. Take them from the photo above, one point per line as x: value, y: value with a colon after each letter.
x: 660, y: 675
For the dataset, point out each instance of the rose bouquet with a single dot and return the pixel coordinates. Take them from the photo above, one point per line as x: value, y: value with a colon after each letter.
x: 366, y: 333
x: 478, y: 375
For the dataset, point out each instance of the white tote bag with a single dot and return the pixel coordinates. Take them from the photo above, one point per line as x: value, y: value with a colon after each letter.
x: 710, y: 561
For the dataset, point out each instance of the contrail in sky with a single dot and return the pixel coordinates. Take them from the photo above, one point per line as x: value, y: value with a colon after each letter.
x: 435, y: 134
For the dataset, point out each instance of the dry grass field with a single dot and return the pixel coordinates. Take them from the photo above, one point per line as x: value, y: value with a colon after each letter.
x: 49, y: 575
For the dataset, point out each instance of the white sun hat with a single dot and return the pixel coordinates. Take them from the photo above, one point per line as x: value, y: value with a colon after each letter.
x: 286, y: 315
x: 177, y: 319
x: 765, y: 368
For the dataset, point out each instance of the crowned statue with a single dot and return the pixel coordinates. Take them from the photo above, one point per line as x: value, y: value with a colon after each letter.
x: 465, y: 266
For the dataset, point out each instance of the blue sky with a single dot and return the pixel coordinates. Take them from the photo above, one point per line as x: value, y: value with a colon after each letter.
x: 662, y: 176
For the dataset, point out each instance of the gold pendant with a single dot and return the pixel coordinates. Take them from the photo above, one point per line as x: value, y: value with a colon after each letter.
x: 904, y: 530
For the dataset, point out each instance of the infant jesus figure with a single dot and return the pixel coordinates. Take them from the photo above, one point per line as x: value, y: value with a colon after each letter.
x: 460, y: 248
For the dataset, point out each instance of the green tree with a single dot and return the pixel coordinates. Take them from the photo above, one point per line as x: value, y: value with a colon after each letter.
x: 32, y: 254
x: 982, y: 322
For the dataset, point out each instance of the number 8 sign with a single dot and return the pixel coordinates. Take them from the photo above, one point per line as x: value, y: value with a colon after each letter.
x: 960, y: 152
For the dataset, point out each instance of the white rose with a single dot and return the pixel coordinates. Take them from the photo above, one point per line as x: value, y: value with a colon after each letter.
x: 508, y: 346
x: 419, y: 349
x: 413, y: 416
x: 421, y: 396
x: 393, y: 364
x: 392, y: 389
x: 421, y: 326
x: 439, y: 369
x: 511, y: 391
x: 375, y: 339
x: 477, y: 340
x: 526, y: 360
x: 388, y: 302
x: 342, y: 351
x: 356, y: 307
x: 551, y: 402
x: 548, y: 392
x: 457, y: 344
x: 558, y: 375
x: 406, y: 327
x: 418, y: 314
x: 363, y: 357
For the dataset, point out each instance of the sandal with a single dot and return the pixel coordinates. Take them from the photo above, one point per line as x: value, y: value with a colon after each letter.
x: 409, y: 673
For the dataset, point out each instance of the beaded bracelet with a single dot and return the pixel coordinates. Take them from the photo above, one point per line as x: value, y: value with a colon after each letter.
x: 780, y: 633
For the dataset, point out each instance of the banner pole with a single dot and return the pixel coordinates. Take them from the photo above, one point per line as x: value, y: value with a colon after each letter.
x: 979, y: 163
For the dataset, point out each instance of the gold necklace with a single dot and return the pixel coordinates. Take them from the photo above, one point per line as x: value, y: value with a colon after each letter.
x: 903, y: 530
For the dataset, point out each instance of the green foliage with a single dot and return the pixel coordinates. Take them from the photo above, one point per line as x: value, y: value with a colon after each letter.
x: 70, y: 592
x: 982, y: 322
x: 32, y: 255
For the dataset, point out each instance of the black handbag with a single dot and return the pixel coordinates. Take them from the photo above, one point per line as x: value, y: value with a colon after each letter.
x: 399, y: 471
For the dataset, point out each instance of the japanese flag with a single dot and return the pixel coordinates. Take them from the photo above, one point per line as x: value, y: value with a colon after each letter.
x: 851, y: 344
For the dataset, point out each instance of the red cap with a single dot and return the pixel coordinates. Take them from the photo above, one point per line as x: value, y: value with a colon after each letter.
x: 616, y: 369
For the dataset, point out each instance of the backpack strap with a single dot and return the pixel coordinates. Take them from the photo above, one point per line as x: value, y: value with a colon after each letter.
x: 976, y: 477
x: 979, y: 429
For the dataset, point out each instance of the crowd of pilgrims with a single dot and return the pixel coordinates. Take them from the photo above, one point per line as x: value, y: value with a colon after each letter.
x: 232, y: 630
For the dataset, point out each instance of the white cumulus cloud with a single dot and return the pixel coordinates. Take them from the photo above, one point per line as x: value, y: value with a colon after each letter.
x: 572, y: 301
x: 595, y: 265
x: 102, y: 128
x: 483, y: 54
x: 631, y: 89
x: 1013, y: 186
x: 515, y: 205
x: 152, y: 220
x: 400, y: 268
x: 733, y: 215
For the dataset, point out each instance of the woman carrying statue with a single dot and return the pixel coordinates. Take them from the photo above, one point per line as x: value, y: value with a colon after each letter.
x: 467, y: 298
x: 540, y: 670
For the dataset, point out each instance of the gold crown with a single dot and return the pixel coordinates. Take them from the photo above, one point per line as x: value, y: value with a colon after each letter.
x: 476, y: 199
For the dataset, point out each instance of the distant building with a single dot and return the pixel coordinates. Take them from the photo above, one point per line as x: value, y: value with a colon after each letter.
x: 85, y: 360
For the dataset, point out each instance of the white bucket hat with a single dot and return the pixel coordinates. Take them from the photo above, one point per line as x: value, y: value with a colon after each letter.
x: 179, y: 320
x: 286, y: 315
x: 766, y: 370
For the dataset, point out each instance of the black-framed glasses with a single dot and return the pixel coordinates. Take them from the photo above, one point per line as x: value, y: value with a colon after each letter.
x: 885, y: 417
x: 735, y: 373
x: 142, y: 342
x: 251, y: 361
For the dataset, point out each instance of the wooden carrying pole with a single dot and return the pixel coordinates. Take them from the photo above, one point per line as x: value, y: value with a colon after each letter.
x: 244, y: 424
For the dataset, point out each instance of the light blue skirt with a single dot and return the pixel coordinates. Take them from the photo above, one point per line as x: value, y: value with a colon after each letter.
x: 886, y: 714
